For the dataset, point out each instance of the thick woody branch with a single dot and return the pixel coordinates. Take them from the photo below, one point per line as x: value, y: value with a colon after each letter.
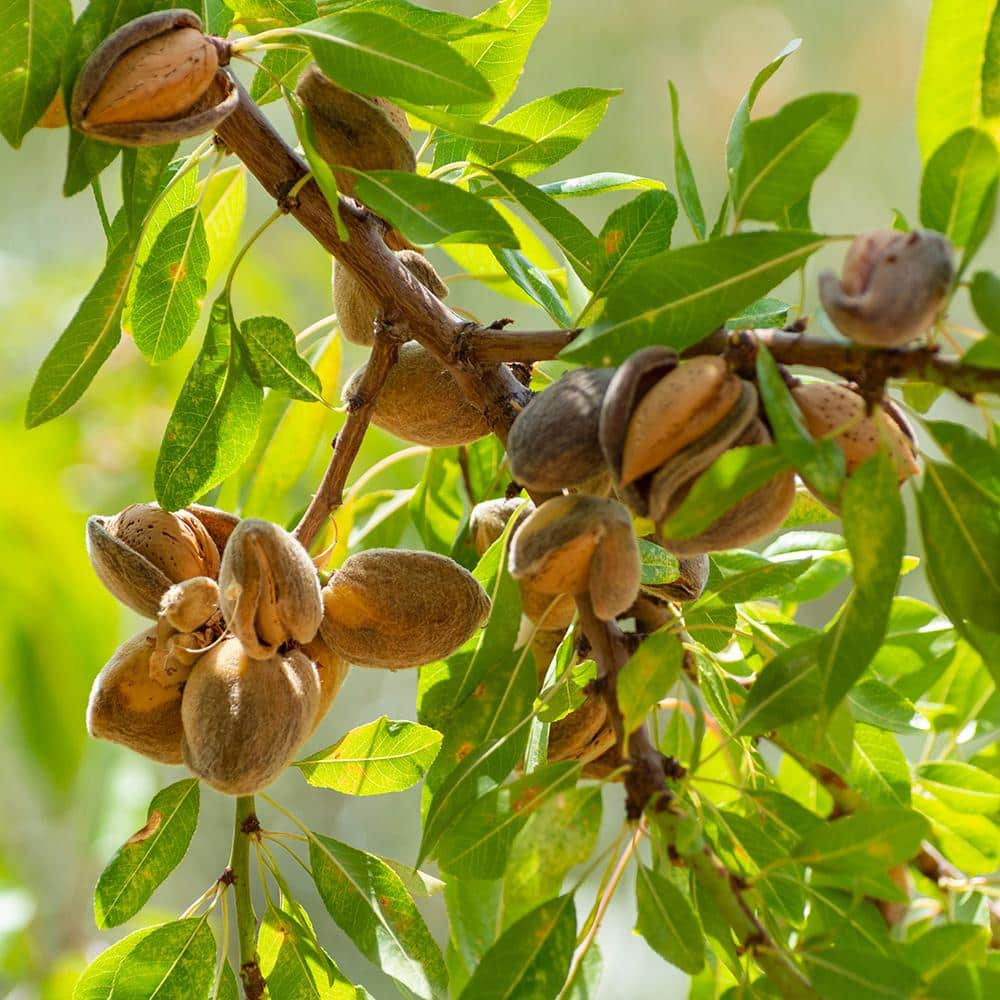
x: 489, y: 345
x: 407, y: 305
x: 868, y: 366
x: 346, y: 444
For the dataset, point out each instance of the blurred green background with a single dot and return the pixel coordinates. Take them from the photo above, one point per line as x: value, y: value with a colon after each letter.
x: 67, y: 802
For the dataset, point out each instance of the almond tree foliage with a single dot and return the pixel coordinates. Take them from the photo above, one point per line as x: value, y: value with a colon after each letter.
x: 807, y: 811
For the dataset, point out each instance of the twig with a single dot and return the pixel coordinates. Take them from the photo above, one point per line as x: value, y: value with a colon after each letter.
x: 486, y: 345
x: 245, y: 826
x: 329, y: 495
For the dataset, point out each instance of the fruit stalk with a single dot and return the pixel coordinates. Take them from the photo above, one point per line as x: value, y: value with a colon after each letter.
x: 245, y: 826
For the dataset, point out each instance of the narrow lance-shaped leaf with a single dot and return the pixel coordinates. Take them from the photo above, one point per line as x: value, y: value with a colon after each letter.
x: 821, y: 463
x: 384, y: 756
x: 321, y: 171
x: 950, y: 94
x: 788, y: 688
x: 97, y: 981
x: 223, y: 204
x: 550, y: 129
x: 86, y: 343
x: 370, y: 904
x: 431, y: 211
x: 148, y: 856
x: 215, y: 419
x: 875, y: 529
x: 651, y: 671
x: 783, y: 155
x: 735, y: 474
x: 33, y: 34
x: 634, y: 232
x: 377, y: 55
x: 281, y: 12
x: 668, y: 922
x: 270, y: 345
x: 292, y: 960
x: 170, y: 287
x: 477, y: 843
x: 680, y: 296
x: 961, y: 537
x: 531, y: 958
x: 499, y: 58
x: 741, y: 119
x: 957, y: 180
x: 687, y: 185
x: 575, y: 240
x: 535, y: 283
x: 142, y: 180
x: 176, y: 960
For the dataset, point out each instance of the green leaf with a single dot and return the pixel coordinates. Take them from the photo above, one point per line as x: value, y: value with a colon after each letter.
x: 601, y: 183
x: 788, y: 688
x: 97, y: 981
x: 369, y: 902
x: 292, y: 961
x: 575, y: 240
x: 456, y: 126
x: 634, y: 232
x: 560, y: 835
x: 270, y: 345
x: 877, y: 704
x: 429, y: 22
x: 477, y: 842
x: 279, y: 66
x: 175, y: 962
x: 531, y: 959
x: 668, y: 922
x: 658, y: 565
x: 142, y: 180
x: 957, y: 179
x: 321, y: 171
x: 821, y: 463
x: 879, y: 771
x: 762, y: 313
x: 281, y: 461
x: 430, y: 211
x: 281, y: 12
x: 961, y: 536
x: 687, y: 185
x: 436, y: 507
x: 383, y: 756
x: 651, y: 671
x: 377, y: 55
x: 500, y: 59
x: 680, y: 296
x: 844, y: 974
x: 535, y: 283
x: 215, y: 419
x: 968, y: 451
x: 734, y: 475
x: 961, y: 786
x: 875, y: 529
x: 86, y: 343
x: 549, y: 129
x: 783, y: 155
x: 33, y: 34
x: 985, y: 293
x: 957, y: 64
x: 741, y: 119
x: 148, y: 856
x: 872, y: 840
x: 170, y: 287
x: 223, y: 204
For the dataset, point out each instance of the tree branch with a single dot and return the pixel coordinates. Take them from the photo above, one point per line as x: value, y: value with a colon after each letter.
x: 868, y: 366
x: 360, y: 406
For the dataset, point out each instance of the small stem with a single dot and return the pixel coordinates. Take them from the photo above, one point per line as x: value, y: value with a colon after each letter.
x: 346, y: 444
x: 245, y: 825
x: 102, y: 210
x: 527, y: 346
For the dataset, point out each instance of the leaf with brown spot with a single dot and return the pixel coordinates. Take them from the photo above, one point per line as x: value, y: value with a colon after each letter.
x: 149, y: 855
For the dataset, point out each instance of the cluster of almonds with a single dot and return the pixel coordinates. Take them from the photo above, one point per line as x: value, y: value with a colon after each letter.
x: 249, y: 650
